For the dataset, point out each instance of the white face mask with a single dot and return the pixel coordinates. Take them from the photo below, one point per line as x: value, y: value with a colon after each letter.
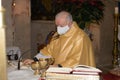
x: 62, y: 30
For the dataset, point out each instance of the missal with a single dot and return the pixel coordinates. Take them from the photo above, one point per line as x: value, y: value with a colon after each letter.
x: 80, y: 72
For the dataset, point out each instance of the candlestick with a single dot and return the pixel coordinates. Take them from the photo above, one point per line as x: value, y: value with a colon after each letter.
x: 115, y: 47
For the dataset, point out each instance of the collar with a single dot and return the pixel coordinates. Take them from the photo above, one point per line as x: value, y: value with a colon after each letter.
x: 72, y: 30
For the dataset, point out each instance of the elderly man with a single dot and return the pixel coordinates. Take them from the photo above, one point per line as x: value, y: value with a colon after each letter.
x: 70, y: 46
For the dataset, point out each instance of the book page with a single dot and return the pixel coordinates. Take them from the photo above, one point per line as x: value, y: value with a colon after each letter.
x: 85, y: 68
x: 59, y: 70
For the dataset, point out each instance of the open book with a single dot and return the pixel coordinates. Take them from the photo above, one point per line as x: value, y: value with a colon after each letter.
x: 87, y: 70
x: 80, y: 69
x: 80, y: 72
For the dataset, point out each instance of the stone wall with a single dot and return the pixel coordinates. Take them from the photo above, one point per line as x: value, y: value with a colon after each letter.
x: 106, y: 35
x: 8, y: 21
x: 18, y: 30
x: 39, y: 31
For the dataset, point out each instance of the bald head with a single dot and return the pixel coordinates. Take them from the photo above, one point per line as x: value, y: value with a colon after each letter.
x: 63, y: 18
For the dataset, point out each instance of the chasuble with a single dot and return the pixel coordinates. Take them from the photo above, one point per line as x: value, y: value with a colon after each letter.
x: 71, y: 49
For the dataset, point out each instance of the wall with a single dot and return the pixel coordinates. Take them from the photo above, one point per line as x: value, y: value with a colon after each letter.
x: 8, y: 20
x: 106, y: 36
x: 18, y: 21
x: 40, y: 30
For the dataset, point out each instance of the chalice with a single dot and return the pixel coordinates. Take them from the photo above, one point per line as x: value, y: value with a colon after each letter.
x: 36, y: 67
x: 44, y: 64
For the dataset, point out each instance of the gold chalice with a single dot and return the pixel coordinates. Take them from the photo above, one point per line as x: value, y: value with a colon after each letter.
x: 44, y: 64
x: 36, y: 67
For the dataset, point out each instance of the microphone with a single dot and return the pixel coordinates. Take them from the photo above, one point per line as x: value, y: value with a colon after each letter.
x: 19, y: 59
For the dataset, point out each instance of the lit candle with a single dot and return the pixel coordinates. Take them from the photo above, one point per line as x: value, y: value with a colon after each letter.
x: 116, y: 10
x: 1, y: 19
x: 2, y: 24
x: 0, y: 2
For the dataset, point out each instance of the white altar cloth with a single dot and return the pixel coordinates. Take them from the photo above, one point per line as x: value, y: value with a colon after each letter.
x: 23, y: 74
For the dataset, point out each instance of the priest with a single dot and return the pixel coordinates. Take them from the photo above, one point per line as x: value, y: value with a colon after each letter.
x: 70, y: 45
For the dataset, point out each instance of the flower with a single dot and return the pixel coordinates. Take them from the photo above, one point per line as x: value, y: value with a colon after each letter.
x: 84, y: 12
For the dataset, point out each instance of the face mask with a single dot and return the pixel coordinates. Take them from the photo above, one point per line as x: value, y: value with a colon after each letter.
x: 62, y: 30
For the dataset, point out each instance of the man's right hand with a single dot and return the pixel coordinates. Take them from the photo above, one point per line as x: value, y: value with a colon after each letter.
x: 28, y: 61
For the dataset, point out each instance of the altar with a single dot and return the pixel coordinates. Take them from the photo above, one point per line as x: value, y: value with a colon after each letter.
x: 52, y: 73
x: 25, y: 73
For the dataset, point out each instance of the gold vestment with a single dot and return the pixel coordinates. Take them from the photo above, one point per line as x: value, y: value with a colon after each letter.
x: 71, y: 49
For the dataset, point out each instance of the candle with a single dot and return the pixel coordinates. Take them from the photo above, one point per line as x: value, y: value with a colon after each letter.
x: 2, y: 24
x: 0, y: 2
x: 1, y: 18
x: 116, y: 10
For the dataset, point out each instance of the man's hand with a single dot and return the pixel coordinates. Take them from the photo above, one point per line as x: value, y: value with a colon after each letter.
x: 28, y: 61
